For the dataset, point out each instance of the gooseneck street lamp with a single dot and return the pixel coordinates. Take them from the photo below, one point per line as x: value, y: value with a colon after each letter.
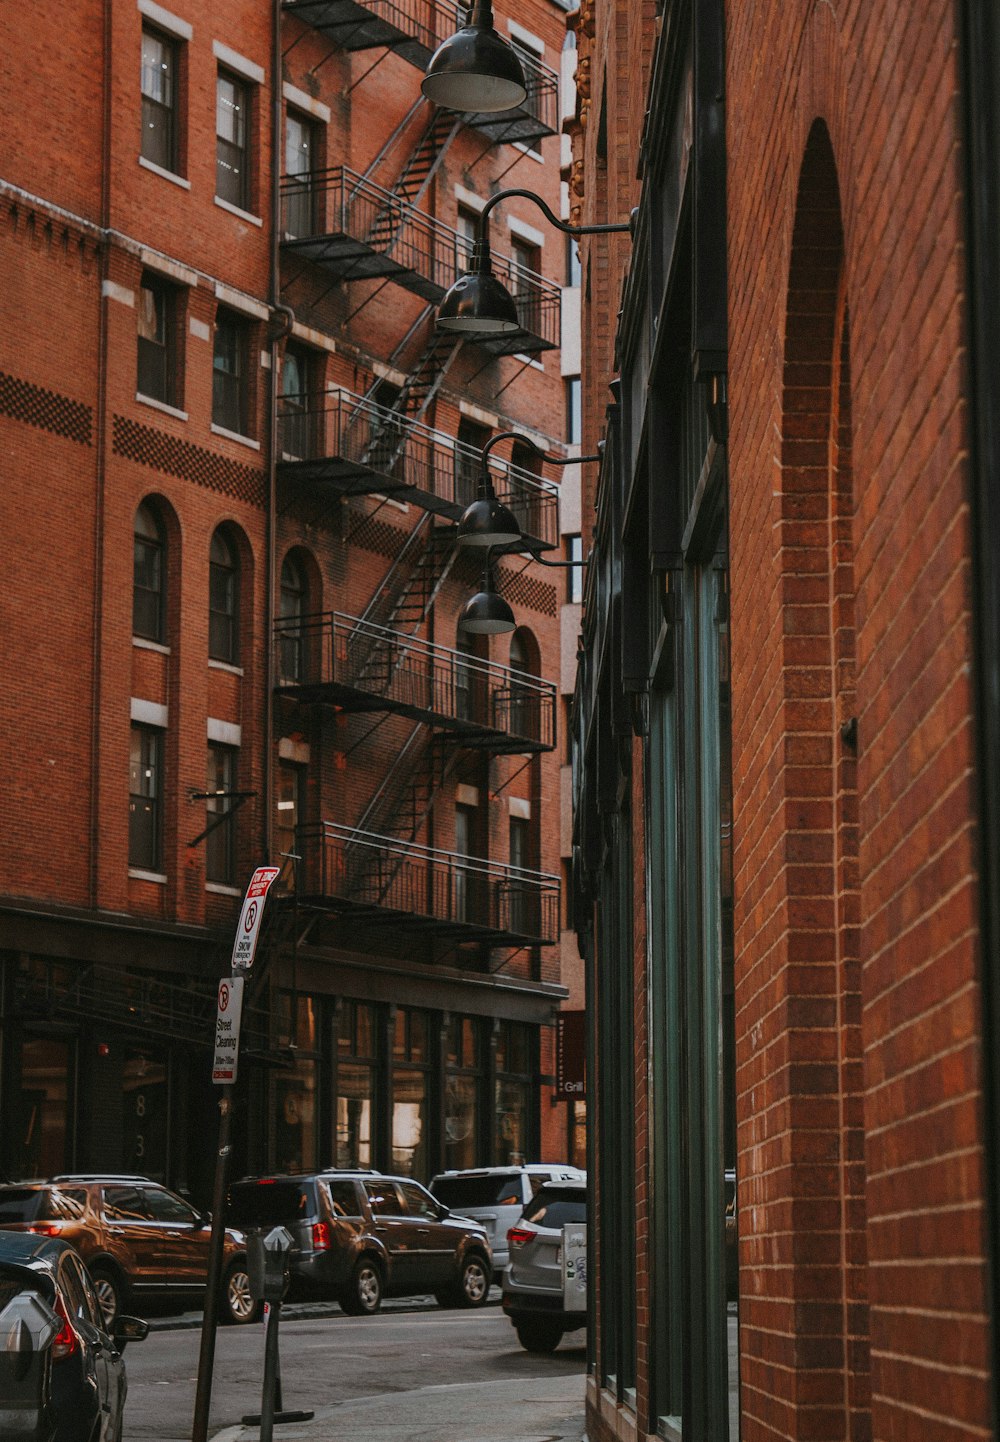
x: 486, y: 521
x: 475, y: 70
x: 477, y: 303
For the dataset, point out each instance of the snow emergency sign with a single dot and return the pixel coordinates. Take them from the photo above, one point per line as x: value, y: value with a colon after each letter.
x: 248, y: 929
x: 227, y: 1030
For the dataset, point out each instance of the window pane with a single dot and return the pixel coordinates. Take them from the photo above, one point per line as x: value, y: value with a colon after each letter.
x: 409, y: 1122
x: 232, y: 151
x: 144, y: 799
x: 158, y: 78
x: 229, y: 392
x: 354, y: 1106
x: 298, y: 196
x: 155, y: 335
x: 147, y: 582
x: 223, y: 593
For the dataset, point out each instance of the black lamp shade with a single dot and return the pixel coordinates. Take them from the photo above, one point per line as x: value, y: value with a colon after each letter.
x: 475, y: 71
x: 486, y: 522
x: 477, y: 304
x: 486, y: 614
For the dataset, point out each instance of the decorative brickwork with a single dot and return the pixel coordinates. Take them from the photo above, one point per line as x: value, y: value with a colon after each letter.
x: 154, y: 448
x: 48, y: 410
x: 524, y: 590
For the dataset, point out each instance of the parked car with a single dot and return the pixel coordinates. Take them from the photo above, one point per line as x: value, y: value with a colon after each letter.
x: 139, y: 1240
x: 81, y: 1394
x: 496, y: 1196
x: 359, y: 1236
x: 533, y: 1296
x: 732, y: 1254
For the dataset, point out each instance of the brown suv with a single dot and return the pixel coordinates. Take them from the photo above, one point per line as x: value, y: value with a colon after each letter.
x: 139, y: 1240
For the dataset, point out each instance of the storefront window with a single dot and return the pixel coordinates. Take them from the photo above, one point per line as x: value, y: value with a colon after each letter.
x: 296, y: 1092
x: 42, y: 1135
x: 409, y: 1094
x: 354, y: 1115
x: 355, y: 1084
x: 463, y: 1089
x: 512, y: 1095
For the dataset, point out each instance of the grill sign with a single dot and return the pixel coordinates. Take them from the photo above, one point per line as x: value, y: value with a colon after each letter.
x: 227, y: 1030
x: 571, y: 1055
x: 250, y: 917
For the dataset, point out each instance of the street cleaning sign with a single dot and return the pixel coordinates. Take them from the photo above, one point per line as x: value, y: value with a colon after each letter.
x: 227, y: 1030
x: 248, y: 929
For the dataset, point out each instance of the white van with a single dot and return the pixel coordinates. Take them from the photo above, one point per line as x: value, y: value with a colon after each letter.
x: 495, y: 1196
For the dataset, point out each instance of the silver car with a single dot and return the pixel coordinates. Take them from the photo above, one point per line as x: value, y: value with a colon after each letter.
x: 496, y: 1196
x: 534, y: 1293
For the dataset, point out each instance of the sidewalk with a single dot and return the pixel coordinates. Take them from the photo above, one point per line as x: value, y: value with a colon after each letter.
x: 541, y: 1409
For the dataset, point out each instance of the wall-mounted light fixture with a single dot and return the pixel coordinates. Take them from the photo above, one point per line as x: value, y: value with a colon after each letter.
x: 487, y: 613
x: 475, y: 70
x: 486, y: 521
x: 478, y: 304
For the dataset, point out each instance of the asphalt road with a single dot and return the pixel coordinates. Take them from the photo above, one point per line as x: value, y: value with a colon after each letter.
x: 327, y: 1361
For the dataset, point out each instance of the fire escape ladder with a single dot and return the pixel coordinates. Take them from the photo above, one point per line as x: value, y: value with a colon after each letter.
x: 413, y: 181
x: 399, y: 809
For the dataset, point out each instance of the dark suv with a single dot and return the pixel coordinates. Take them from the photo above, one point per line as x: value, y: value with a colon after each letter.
x: 138, y: 1239
x: 359, y: 1236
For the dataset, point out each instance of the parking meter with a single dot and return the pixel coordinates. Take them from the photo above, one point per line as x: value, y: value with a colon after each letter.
x: 27, y: 1328
x: 267, y: 1264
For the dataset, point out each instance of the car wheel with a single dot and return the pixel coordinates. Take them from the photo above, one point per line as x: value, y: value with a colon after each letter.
x: 538, y: 1334
x: 474, y: 1283
x: 363, y: 1294
x: 237, y: 1305
x: 110, y: 1291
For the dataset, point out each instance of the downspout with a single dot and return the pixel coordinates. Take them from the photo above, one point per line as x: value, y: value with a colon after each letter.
x: 282, y: 320
x: 100, y: 470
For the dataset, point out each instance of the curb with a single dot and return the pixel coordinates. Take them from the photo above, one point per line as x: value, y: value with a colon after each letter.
x: 312, y: 1311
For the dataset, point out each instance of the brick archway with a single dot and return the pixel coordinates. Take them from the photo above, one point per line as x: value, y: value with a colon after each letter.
x: 826, y: 1245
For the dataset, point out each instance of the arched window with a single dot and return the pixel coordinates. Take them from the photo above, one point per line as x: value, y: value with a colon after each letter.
x: 525, y: 712
x: 223, y: 600
x: 292, y: 609
x: 149, y: 576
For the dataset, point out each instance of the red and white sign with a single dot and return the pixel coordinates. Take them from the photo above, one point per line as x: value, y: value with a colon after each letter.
x: 227, y: 1030
x: 248, y: 929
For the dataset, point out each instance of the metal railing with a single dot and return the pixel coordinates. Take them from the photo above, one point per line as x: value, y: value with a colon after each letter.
x: 415, y: 676
x: 380, y: 234
x: 415, y: 28
x: 507, y: 905
x: 407, y: 454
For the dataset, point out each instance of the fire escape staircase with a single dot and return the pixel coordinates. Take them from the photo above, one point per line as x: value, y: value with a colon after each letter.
x: 413, y: 29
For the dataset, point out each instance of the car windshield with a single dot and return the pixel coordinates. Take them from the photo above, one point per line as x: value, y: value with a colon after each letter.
x: 269, y: 1203
x: 20, y: 1204
x: 493, y: 1191
x: 555, y: 1206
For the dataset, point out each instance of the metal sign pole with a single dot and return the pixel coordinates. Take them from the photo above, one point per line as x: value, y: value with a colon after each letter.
x: 210, y: 1320
x: 224, y: 1065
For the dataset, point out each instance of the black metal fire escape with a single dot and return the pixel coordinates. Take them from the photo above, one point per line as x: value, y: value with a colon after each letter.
x: 352, y: 227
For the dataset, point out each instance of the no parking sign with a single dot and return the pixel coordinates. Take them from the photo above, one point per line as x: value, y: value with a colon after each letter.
x: 250, y: 917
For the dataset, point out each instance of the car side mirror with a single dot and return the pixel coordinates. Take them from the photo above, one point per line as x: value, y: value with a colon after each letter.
x: 129, y: 1329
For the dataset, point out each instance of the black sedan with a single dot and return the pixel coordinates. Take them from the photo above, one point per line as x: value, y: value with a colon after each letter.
x: 49, y: 1310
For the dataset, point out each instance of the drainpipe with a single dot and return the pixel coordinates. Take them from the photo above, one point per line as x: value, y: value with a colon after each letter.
x: 281, y: 327
x: 100, y: 470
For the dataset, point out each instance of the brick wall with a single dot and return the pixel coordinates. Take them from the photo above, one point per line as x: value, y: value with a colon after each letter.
x: 78, y: 225
x: 857, y: 1005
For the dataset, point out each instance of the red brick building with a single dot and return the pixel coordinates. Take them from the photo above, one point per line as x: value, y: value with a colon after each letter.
x: 234, y: 452
x: 786, y: 720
